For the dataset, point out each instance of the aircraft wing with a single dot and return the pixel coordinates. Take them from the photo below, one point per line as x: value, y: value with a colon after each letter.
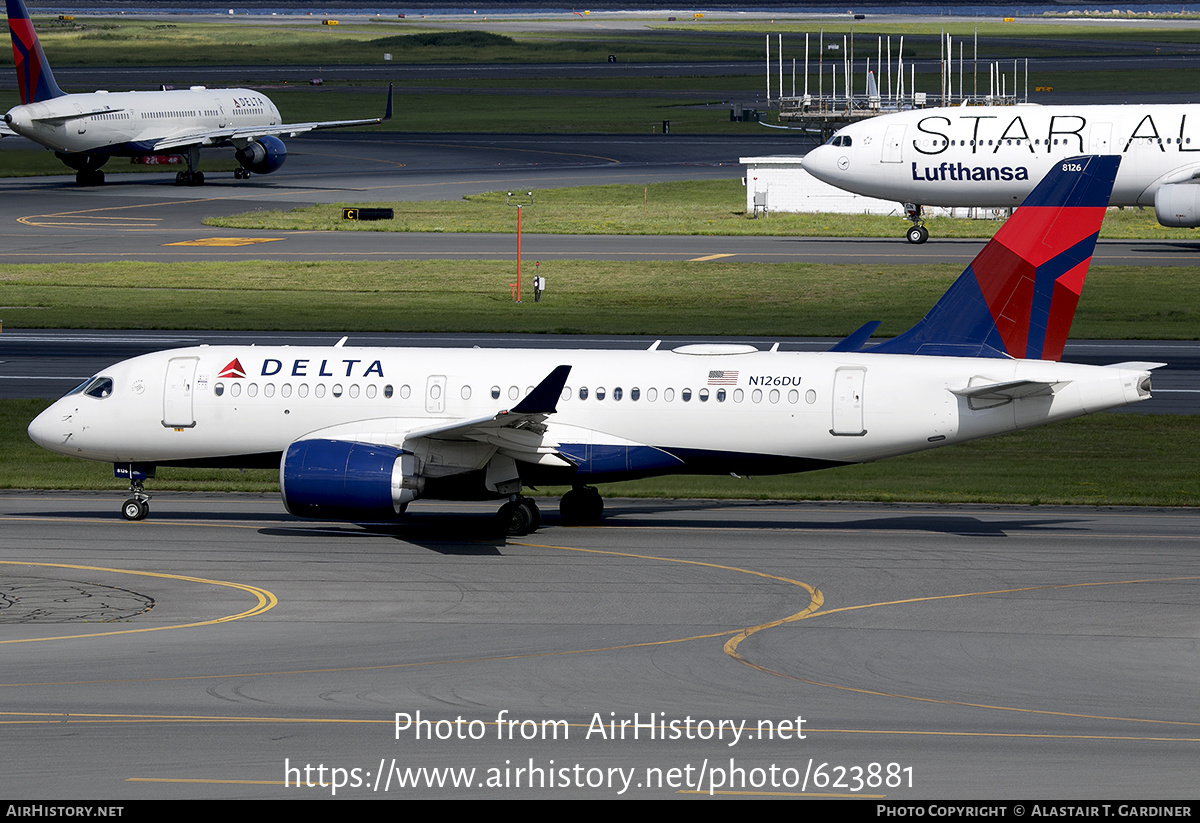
x: 516, y: 432
x: 237, y: 134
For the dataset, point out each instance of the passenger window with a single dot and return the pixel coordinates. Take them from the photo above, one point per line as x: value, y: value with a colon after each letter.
x: 495, y: 392
x: 600, y: 393
x: 617, y: 394
x: 703, y: 395
x: 635, y: 393
x: 218, y: 389
x: 583, y: 392
x: 685, y: 395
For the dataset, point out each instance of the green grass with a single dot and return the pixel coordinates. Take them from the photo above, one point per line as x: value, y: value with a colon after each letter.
x: 711, y: 298
x: 150, y: 42
x: 1103, y: 460
x: 705, y: 207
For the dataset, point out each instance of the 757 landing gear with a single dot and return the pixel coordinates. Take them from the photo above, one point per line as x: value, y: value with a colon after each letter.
x: 918, y: 233
x: 581, y: 506
x: 191, y: 177
x: 138, y: 506
x: 519, y: 516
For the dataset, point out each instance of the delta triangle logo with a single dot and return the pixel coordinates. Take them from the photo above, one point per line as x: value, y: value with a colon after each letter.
x: 233, y: 369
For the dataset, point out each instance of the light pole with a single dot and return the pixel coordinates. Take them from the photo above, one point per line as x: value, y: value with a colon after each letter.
x: 519, y: 206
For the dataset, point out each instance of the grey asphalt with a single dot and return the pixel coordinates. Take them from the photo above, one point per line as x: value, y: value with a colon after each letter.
x: 971, y: 652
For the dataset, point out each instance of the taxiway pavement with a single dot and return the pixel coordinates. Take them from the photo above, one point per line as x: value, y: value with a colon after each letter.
x: 969, y: 652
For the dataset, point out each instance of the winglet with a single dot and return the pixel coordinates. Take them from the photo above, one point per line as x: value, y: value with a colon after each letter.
x: 34, y: 77
x: 1018, y: 297
x: 544, y: 397
x: 387, y: 115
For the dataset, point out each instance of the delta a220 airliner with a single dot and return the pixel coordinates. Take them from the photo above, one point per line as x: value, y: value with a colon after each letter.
x: 993, y: 156
x: 360, y: 433
x: 86, y: 130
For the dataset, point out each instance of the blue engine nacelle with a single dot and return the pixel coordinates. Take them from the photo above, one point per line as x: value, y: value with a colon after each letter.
x: 262, y: 156
x: 341, y: 480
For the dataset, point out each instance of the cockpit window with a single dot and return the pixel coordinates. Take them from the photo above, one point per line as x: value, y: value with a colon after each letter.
x: 100, y: 387
x: 840, y: 140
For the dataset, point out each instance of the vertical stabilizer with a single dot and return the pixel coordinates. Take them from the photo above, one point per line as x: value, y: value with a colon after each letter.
x: 34, y: 77
x: 1018, y: 296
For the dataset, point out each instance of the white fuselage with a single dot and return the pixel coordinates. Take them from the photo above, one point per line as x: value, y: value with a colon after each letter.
x: 711, y: 410
x: 133, y: 122
x: 993, y: 156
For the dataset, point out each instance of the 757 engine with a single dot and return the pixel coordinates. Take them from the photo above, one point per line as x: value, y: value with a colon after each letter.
x: 262, y: 156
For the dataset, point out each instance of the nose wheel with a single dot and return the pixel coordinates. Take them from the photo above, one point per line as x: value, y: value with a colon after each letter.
x: 138, y: 506
x: 918, y: 235
x: 135, y: 509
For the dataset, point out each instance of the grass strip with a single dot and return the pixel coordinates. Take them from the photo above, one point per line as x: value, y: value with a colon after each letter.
x: 716, y: 297
x: 699, y: 207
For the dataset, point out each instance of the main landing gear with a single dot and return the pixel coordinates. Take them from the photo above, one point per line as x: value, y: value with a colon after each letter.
x: 89, y: 177
x: 241, y: 173
x: 918, y: 233
x: 138, y: 506
x: 193, y: 176
x: 581, y: 506
x: 519, y: 516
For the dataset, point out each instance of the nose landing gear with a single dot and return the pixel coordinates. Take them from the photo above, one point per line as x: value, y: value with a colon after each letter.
x: 138, y: 506
x: 918, y: 233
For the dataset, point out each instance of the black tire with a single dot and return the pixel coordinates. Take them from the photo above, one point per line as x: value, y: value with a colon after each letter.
x: 583, y: 506
x: 918, y: 235
x: 519, y: 517
x: 134, y: 509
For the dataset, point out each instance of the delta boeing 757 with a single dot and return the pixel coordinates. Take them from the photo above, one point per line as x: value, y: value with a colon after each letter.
x: 86, y: 130
x: 993, y: 156
x: 360, y: 433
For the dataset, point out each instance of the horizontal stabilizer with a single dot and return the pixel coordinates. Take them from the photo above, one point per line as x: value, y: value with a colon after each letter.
x: 1008, y: 390
x: 1136, y: 365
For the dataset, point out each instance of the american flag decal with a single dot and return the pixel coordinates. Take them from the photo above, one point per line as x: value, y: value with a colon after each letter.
x: 717, y: 377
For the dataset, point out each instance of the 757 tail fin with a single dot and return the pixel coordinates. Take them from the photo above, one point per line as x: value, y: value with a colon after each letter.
x: 34, y: 77
x: 1018, y: 296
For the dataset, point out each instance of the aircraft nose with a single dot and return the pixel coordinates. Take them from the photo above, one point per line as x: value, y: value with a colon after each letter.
x: 825, y: 162
x: 51, y: 429
x: 39, y: 429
